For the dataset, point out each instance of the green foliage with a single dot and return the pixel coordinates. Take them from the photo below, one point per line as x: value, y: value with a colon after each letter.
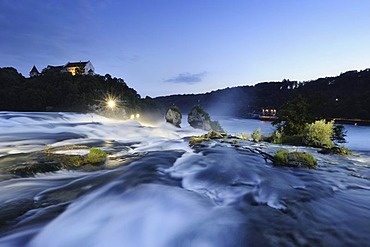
x: 256, y: 135
x: 276, y: 137
x: 281, y: 157
x: 74, y: 160
x: 206, y: 137
x: 319, y: 133
x: 292, y: 140
x: 294, y: 159
x: 244, y: 136
x: 293, y: 117
x: 95, y: 156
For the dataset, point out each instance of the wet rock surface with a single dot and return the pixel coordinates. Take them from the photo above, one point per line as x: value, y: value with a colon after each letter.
x: 173, y: 116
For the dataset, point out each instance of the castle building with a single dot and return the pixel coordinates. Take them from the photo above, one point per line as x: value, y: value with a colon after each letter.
x: 34, y: 72
x: 79, y: 68
x: 75, y: 68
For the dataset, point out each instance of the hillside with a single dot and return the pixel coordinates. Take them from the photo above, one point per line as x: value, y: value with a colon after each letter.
x: 345, y: 96
x: 55, y: 91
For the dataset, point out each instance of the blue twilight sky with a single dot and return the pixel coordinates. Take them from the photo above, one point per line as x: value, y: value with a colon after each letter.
x: 162, y: 47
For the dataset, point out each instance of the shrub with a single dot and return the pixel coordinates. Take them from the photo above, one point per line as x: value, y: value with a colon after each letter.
x: 281, y: 157
x: 319, y: 133
x: 95, y: 156
x: 276, y: 137
x: 256, y: 135
x: 244, y: 136
x: 294, y: 159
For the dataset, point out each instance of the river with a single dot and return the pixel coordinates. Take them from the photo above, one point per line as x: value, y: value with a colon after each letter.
x: 155, y: 190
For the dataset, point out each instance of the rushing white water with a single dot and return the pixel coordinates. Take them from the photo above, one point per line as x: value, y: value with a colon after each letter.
x: 155, y: 190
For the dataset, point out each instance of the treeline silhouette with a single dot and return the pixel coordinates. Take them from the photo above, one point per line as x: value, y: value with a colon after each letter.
x: 343, y: 96
x: 55, y: 91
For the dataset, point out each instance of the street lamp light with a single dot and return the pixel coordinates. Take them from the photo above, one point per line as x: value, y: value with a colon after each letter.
x: 111, y: 103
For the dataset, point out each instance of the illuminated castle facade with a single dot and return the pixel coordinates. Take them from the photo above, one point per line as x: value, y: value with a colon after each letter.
x: 75, y: 68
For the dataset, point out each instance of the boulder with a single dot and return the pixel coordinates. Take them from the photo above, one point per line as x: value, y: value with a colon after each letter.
x: 173, y: 116
x: 336, y: 150
x: 198, y: 118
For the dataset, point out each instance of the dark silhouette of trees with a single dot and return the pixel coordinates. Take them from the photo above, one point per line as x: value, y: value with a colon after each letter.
x: 343, y: 96
x: 293, y: 117
x: 55, y: 91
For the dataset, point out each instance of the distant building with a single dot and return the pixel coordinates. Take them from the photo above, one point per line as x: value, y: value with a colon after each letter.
x: 268, y: 114
x: 54, y: 68
x: 75, y: 68
x: 79, y: 68
x: 34, y: 72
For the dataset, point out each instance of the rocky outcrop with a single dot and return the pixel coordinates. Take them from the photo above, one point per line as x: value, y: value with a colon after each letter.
x: 51, y: 160
x: 198, y: 118
x: 294, y: 159
x: 173, y: 116
x: 336, y: 150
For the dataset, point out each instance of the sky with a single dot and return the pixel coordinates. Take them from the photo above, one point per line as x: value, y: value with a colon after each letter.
x: 164, y: 47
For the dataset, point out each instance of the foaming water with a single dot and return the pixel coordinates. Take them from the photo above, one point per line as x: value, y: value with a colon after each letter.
x: 26, y: 132
x: 172, y: 195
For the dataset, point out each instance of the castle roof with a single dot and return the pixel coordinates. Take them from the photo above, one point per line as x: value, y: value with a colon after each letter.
x: 75, y: 64
x: 34, y: 70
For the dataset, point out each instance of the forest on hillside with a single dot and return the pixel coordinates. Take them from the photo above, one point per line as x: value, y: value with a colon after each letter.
x: 343, y: 96
x: 55, y: 91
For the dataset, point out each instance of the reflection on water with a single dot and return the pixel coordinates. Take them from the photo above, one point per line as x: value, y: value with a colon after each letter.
x: 172, y: 195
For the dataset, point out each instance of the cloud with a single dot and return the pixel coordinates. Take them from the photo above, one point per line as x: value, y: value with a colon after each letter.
x: 187, y: 78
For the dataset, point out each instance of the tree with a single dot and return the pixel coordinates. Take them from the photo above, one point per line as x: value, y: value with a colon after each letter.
x: 339, y: 134
x: 293, y: 117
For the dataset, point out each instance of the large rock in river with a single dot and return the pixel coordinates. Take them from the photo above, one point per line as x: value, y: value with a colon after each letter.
x: 174, y: 116
x: 198, y: 118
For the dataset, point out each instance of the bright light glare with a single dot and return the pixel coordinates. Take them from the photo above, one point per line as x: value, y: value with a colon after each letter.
x: 137, y: 115
x: 111, y: 103
x: 132, y: 116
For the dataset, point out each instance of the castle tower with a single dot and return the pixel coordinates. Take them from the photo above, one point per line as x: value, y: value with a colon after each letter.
x: 34, y: 72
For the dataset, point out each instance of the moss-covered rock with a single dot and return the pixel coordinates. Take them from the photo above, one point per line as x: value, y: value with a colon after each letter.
x: 95, y: 156
x: 206, y: 137
x: 50, y: 160
x: 31, y: 168
x: 294, y: 159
